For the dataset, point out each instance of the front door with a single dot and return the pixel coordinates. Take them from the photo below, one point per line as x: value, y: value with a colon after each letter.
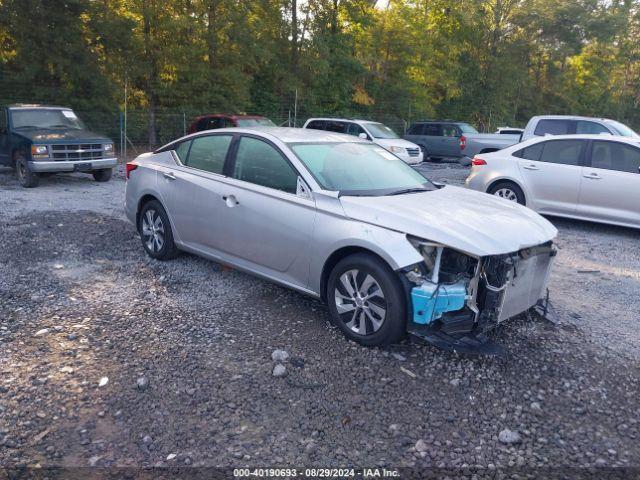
x: 552, y: 174
x: 611, y: 183
x: 269, y: 223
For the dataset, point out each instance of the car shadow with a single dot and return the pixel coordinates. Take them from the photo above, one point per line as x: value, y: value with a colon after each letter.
x: 586, y: 226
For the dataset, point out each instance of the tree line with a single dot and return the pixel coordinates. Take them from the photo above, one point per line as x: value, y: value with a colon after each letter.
x: 489, y: 62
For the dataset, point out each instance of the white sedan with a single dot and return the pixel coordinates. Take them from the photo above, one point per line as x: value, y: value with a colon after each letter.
x: 588, y: 177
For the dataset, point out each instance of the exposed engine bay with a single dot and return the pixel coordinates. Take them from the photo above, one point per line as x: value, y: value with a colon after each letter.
x: 457, y: 298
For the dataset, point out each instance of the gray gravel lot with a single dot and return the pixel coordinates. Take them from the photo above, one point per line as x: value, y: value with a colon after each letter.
x: 110, y: 358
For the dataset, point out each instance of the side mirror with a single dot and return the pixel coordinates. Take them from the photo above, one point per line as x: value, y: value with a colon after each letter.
x: 363, y: 135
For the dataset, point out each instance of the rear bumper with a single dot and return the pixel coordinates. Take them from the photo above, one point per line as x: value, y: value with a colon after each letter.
x: 72, y: 166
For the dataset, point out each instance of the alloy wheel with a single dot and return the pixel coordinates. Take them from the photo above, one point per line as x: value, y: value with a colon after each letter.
x: 152, y: 231
x: 360, y: 302
x: 507, y: 194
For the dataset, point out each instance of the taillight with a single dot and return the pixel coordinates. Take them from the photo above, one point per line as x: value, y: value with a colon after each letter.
x: 129, y: 167
x: 463, y: 142
x: 478, y: 161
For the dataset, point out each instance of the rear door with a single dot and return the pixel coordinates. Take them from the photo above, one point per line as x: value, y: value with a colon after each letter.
x: 552, y: 173
x: 192, y: 192
x: 433, y: 139
x: 611, y: 183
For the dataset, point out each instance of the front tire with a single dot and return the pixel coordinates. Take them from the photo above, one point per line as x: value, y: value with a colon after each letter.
x: 26, y: 177
x: 155, y: 232
x: 509, y: 191
x: 102, y: 175
x: 366, y: 300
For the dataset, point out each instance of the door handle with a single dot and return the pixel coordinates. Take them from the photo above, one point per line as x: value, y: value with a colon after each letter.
x: 169, y: 176
x: 230, y: 200
x: 530, y: 167
x: 593, y: 176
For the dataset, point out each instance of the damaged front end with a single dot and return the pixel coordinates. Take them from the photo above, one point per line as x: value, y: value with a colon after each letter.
x: 457, y: 298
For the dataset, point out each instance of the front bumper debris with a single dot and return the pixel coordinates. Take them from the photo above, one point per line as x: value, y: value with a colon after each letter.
x: 456, y: 300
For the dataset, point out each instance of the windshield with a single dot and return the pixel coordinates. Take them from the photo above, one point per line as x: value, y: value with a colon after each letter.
x: 45, y: 118
x: 359, y: 169
x: 622, y: 129
x: 378, y: 130
x: 466, y: 128
x: 255, y: 122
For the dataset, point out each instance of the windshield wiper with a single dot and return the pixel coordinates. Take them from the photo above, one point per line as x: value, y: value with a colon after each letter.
x: 26, y: 126
x: 64, y: 126
x: 410, y: 190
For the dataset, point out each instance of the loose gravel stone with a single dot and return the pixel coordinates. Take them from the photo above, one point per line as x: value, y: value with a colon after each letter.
x: 279, y: 356
x: 142, y: 383
x: 279, y: 370
x: 509, y: 436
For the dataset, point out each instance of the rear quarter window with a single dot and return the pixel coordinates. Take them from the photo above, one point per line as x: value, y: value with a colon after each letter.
x: 316, y: 124
x: 415, y: 130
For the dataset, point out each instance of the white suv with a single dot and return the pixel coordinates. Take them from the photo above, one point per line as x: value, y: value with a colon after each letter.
x: 377, y: 132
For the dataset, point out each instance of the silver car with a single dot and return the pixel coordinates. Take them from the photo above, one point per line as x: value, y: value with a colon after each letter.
x: 343, y: 220
x: 588, y: 177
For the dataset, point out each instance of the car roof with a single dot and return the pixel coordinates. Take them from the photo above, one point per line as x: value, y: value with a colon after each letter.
x: 228, y: 115
x: 336, y: 119
x: 568, y: 117
x: 289, y: 134
x: 16, y: 106
x: 440, y: 121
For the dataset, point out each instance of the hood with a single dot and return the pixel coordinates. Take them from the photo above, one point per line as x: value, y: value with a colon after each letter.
x: 472, y: 222
x: 60, y: 135
x: 394, y: 142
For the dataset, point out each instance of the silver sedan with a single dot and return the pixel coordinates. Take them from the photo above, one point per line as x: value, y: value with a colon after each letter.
x: 345, y: 221
x: 588, y: 177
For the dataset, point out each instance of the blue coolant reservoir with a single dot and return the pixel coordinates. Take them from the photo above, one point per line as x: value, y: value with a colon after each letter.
x: 430, y: 301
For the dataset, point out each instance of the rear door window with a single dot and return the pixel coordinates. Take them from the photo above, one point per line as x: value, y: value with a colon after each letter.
x: 333, y: 126
x: 587, y: 127
x: 433, y: 130
x: 317, y: 124
x: 564, y: 152
x: 554, y: 127
x: 415, y: 129
x: 615, y: 156
x: 209, y: 153
x: 530, y: 153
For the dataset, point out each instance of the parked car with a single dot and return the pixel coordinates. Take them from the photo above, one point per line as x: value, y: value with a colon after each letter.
x: 223, y: 120
x: 377, y: 132
x: 439, y: 138
x: 341, y: 219
x: 589, y: 177
x: 40, y: 139
x: 568, y: 125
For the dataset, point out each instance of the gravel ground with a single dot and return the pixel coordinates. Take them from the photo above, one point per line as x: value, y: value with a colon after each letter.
x: 111, y: 359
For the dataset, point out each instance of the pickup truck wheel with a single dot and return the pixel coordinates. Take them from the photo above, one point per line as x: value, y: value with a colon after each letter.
x: 102, y: 175
x: 366, y: 300
x: 508, y: 191
x: 26, y: 177
x: 155, y: 231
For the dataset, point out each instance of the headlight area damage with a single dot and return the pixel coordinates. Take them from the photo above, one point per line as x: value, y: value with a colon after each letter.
x: 456, y: 298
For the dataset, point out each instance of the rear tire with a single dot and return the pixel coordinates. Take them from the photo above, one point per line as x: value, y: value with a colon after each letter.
x: 26, y: 177
x: 366, y: 300
x: 509, y: 191
x: 155, y: 232
x: 102, y: 175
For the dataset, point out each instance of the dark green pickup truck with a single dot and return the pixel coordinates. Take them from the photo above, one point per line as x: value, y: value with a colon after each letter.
x: 39, y: 139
